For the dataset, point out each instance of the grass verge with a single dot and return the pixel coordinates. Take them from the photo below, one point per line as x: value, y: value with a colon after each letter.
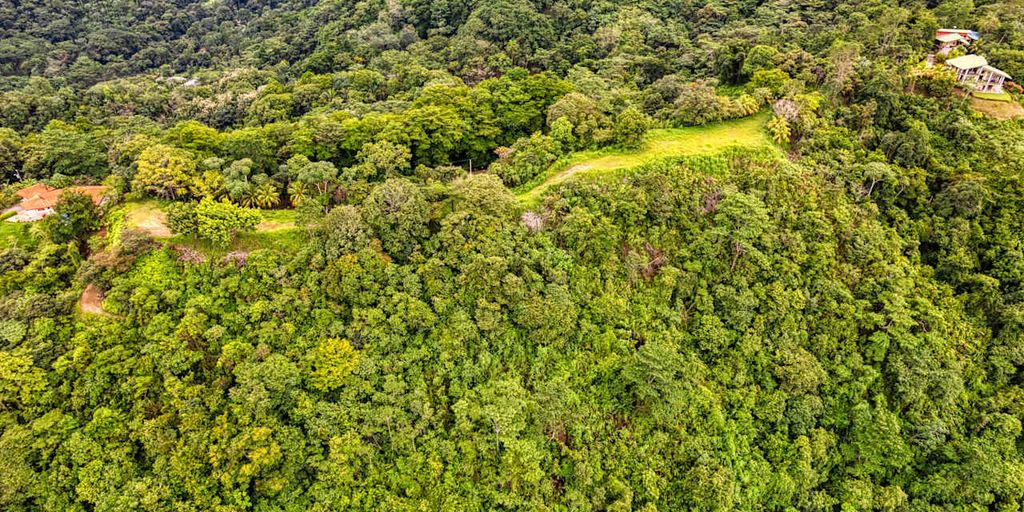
x: 992, y: 96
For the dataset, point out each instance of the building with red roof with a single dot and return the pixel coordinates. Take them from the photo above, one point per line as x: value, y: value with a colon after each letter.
x: 38, y: 200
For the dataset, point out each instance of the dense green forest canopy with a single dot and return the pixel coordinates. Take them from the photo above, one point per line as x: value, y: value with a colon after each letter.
x: 325, y: 276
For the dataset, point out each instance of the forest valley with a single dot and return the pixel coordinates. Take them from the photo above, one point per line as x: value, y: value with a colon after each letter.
x: 712, y: 255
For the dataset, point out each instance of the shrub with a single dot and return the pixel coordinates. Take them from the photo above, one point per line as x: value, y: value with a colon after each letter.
x: 527, y: 158
x: 213, y: 221
x: 630, y: 126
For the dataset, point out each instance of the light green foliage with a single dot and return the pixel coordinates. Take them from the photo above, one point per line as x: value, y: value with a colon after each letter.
x: 771, y: 79
x: 19, y: 379
x: 264, y: 193
x: 218, y: 222
x: 688, y: 319
x: 379, y: 160
x: 194, y: 136
x: 329, y: 363
x: 164, y: 171
x: 562, y: 131
x: 181, y: 218
x: 760, y: 58
x: 779, y: 128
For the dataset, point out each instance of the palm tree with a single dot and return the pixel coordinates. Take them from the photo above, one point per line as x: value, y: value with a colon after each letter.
x: 297, y: 192
x: 265, y: 195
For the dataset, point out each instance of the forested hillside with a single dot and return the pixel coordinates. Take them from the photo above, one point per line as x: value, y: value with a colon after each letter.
x: 509, y: 255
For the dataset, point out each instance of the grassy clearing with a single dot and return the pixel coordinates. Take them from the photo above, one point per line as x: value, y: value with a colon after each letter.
x: 282, y: 240
x: 659, y: 145
x: 998, y: 109
x: 276, y: 220
x: 992, y: 96
x: 15, y: 234
x: 148, y: 216
x: 276, y: 230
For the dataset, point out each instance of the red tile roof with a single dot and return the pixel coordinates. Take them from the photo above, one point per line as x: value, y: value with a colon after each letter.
x: 41, y: 197
x: 34, y: 190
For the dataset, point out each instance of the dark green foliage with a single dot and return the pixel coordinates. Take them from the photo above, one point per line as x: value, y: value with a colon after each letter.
x: 630, y: 126
x: 526, y: 159
x: 74, y: 217
x: 10, y: 158
x: 63, y: 149
x: 697, y: 103
x: 397, y: 211
x: 739, y: 297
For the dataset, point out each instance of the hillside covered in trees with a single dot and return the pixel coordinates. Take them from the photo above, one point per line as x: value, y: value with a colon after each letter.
x: 509, y: 255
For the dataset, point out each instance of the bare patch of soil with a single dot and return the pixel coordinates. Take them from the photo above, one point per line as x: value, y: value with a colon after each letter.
x: 92, y: 301
x: 1002, y: 110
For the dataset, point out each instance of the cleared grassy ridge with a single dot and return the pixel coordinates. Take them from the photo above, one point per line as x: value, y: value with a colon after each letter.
x: 276, y: 229
x: 659, y: 144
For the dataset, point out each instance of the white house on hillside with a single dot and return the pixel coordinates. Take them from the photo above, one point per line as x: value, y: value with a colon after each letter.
x: 973, y: 70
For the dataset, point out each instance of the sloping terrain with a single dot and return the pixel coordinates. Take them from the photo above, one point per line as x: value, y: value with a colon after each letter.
x: 660, y: 144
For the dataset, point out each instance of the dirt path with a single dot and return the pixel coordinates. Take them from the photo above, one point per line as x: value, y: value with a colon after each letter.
x: 92, y: 301
x: 565, y: 175
x: 272, y: 225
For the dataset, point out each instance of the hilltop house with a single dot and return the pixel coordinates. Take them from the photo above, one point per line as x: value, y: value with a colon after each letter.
x: 946, y: 39
x: 974, y: 71
x: 37, y: 201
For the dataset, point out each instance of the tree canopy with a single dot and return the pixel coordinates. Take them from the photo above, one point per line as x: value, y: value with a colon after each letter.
x: 319, y: 281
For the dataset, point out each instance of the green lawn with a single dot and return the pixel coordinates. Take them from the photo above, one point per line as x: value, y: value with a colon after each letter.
x: 993, y: 96
x: 147, y: 215
x: 276, y: 230
x: 276, y: 220
x: 660, y: 144
x: 998, y: 109
x: 15, y: 234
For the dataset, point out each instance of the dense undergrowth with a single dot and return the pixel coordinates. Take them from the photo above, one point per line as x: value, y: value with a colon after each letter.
x: 830, y: 318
